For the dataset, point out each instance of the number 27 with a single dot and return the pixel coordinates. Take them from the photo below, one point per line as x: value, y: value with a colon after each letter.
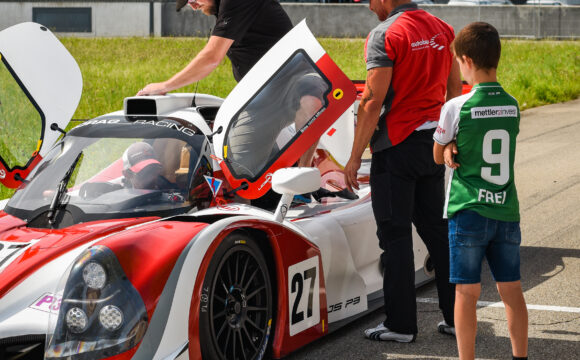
x: 297, y: 286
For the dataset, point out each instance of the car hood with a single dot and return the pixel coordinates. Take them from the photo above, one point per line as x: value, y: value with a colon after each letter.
x: 25, y: 250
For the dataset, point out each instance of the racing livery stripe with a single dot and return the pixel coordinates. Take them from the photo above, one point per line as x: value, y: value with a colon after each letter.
x: 157, y: 326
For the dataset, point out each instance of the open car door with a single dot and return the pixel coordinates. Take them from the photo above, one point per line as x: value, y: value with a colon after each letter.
x: 278, y: 111
x: 40, y: 85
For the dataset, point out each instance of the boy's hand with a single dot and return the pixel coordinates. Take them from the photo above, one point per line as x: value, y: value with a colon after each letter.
x: 448, y: 155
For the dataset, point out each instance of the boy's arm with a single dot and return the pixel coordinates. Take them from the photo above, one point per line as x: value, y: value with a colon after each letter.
x: 449, y: 155
x: 443, y: 154
x: 438, y: 153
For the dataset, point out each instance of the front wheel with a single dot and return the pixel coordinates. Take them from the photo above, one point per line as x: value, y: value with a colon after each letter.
x: 236, y: 302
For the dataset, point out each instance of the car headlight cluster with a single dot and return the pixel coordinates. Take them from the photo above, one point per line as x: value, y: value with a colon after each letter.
x: 101, y: 313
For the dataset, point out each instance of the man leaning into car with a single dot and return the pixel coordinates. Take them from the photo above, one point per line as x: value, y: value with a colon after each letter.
x: 410, y: 74
x: 244, y: 31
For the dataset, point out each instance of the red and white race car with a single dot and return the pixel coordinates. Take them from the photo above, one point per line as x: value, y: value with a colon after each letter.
x: 137, y: 234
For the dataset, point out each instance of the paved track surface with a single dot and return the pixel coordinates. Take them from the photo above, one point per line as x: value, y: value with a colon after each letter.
x: 548, y: 182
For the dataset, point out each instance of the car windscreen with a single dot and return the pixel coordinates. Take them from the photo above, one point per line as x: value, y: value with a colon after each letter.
x: 117, y: 168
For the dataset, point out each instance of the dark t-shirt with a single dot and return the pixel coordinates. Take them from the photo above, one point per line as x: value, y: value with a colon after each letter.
x: 254, y: 25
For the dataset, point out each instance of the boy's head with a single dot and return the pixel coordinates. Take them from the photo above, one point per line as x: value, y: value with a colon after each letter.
x: 480, y: 42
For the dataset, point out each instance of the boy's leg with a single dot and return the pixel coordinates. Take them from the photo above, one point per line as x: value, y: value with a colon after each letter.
x: 468, y: 240
x: 466, y: 296
x: 503, y: 257
x: 517, y: 315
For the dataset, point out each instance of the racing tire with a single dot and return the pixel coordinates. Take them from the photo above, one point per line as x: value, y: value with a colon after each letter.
x: 236, y: 305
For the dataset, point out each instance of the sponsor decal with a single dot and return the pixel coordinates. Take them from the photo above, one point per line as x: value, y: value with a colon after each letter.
x: 337, y: 94
x: 494, y: 111
x: 48, y: 302
x: 214, y: 184
x: 267, y: 180
x: 228, y: 208
x: 99, y: 122
x: 343, y: 304
x: 303, y: 129
x: 167, y: 124
x: 2, y: 174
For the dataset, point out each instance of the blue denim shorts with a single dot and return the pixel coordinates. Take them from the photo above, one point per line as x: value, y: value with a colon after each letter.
x: 473, y: 237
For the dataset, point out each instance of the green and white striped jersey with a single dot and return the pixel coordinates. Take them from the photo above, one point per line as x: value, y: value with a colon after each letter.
x: 484, y: 123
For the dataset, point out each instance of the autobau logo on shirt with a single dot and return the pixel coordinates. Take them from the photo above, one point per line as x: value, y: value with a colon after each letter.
x: 425, y: 44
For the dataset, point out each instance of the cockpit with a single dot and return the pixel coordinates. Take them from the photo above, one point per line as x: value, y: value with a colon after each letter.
x: 118, y: 166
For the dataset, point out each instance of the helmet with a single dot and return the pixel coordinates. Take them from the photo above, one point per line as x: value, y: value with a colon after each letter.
x: 140, y: 166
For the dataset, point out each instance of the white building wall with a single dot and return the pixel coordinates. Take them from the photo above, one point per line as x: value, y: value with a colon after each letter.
x: 108, y: 19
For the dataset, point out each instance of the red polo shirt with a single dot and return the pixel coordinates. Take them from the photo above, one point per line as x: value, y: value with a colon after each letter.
x: 416, y: 45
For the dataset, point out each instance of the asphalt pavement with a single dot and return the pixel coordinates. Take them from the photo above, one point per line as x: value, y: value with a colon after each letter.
x: 548, y: 181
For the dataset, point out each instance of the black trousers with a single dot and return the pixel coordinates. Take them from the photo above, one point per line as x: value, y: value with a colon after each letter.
x: 408, y: 187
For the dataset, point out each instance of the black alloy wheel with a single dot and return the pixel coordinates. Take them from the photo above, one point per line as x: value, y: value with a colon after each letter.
x: 236, y: 302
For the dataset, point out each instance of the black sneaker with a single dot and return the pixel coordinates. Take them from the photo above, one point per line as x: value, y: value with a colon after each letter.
x: 444, y: 328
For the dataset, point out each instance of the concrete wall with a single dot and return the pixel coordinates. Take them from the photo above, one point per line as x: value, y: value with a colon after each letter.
x: 355, y: 20
x: 108, y: 18
x: 132, y: 18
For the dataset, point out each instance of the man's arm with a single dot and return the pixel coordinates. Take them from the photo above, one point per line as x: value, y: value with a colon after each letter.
x: 454, y: 86
x: 376, y: 87
x: 201, y: 66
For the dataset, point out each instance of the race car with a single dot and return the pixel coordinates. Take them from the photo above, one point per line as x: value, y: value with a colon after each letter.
x: 144, y: 234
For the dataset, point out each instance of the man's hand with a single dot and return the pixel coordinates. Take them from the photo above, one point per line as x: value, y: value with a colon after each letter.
x: 448, y: 155
x: 351, y: 173
x: 153, y: 89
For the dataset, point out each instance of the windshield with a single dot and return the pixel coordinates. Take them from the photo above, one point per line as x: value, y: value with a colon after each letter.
x: 126, y: 168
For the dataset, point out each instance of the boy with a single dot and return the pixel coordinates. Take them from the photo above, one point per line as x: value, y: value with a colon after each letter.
x: 482, y: 205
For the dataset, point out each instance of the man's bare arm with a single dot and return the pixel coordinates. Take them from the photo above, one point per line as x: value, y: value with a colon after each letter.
x: 201, y: 66
x: 376, y: 87
x: 454, y: 86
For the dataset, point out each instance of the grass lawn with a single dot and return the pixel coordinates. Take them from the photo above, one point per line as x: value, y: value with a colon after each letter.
x: 534, y: 72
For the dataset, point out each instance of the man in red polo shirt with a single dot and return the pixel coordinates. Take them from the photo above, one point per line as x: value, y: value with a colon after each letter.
x: 410, y: 74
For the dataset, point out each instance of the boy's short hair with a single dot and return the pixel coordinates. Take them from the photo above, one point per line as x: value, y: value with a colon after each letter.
x: 480, y: 42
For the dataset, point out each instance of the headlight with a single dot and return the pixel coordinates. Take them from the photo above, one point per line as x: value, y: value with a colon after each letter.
x: 94, y: 275
x: 101, y: 313
x: 76, y: 320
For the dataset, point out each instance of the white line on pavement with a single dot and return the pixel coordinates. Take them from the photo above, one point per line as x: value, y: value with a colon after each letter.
x: 500, y: 305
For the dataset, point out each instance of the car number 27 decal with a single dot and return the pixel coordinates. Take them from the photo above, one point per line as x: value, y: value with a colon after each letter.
x: 304, y: 295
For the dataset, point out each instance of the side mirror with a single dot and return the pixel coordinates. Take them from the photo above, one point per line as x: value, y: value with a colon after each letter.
x: 293, y: 181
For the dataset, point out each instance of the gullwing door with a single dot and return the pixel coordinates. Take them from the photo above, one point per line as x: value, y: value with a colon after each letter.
x: 40, y: 85
x: 278, y: 111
